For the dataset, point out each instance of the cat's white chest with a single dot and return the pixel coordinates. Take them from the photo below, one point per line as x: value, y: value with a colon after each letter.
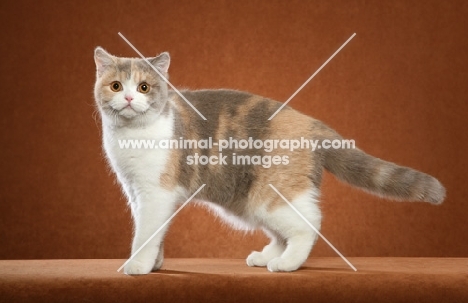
x: 133, y: 152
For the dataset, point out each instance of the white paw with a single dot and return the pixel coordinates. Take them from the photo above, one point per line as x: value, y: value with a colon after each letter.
x: 280, y: 264
x: 135, y: 267
x: 256, y: 259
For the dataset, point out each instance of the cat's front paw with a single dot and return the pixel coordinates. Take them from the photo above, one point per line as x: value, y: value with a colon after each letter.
x: 256, y: 259
x: 280, y: 264
x: 136, y: 267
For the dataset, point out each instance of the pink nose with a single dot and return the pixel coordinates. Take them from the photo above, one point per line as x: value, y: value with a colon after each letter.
x: 129, y: 98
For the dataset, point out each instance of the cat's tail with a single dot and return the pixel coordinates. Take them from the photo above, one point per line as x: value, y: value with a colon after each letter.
x: 382, y: 178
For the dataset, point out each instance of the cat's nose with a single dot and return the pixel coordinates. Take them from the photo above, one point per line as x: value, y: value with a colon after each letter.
x: 129, y: 98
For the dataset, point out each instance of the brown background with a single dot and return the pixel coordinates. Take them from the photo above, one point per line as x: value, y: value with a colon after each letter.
x: 399, y: 88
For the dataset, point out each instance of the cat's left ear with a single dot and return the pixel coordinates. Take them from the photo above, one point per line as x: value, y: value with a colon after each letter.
x: 161, y: 62
x: 102, y: 59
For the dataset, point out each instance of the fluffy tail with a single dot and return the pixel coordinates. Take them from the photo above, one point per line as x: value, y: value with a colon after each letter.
x: 383, y: 178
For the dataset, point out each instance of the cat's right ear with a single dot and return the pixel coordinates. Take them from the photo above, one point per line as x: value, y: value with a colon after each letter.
x: 103, y: 60
x: 161, y: 62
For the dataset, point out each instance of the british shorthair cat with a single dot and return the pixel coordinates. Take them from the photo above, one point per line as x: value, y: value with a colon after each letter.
x: 237, y: 152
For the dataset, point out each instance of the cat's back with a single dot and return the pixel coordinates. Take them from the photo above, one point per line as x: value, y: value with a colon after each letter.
x: 219, y: 96
x: 213, y: 103
x: 235, y: 113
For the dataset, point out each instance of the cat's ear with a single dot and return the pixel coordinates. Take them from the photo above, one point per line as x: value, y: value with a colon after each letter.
x: 102, y: 59
x: 161, y: 62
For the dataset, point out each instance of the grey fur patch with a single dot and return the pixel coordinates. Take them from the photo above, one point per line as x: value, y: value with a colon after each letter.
x: 227, y: 185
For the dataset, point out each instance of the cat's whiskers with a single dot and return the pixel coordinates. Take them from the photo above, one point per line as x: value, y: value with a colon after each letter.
x: 142, y: 119
x: 95, y: 116
x: 115, y: 117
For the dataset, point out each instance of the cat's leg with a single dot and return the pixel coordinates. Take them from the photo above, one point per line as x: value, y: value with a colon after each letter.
x: 159, y: 258
x: 273, y: 250
x: 153, y: 207
x: 130, y: 197
x: 299, y: 236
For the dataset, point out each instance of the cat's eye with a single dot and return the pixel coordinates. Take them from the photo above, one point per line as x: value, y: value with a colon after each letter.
x: 144, y: 88
x: 116, y: 86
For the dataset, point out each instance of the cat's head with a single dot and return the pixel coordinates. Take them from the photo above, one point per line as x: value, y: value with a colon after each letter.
x: 128, y: 90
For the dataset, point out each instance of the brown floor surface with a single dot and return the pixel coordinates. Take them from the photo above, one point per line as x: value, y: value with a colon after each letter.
x: 230, y: 280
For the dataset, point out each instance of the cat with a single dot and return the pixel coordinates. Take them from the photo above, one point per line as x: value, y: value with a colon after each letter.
x: 135, y: 103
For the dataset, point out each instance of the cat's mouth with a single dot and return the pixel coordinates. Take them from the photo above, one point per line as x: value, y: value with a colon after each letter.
x: 129, y: 112
x: 132, y: 111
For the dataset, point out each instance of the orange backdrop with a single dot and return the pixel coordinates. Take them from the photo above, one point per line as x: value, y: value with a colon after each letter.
x: 399, y: 88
